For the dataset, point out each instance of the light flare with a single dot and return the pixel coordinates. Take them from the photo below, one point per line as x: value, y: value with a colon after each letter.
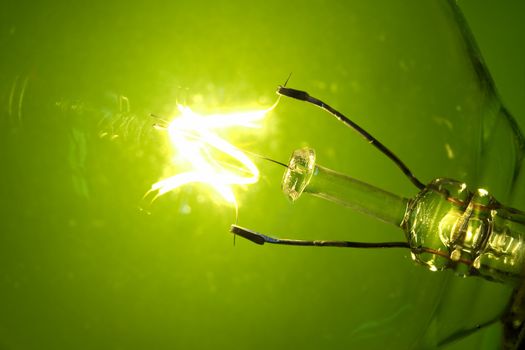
x: 195, y: 139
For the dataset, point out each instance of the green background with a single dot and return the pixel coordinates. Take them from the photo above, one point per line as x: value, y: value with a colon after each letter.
x: 83, y: 267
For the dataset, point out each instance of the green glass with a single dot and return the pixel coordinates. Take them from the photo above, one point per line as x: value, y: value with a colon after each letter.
x: 84, y: 268
x: 304, y: 175
x: 447, y: 225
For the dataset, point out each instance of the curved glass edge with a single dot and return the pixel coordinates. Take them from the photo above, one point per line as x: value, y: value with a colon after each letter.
x: 499, y: 168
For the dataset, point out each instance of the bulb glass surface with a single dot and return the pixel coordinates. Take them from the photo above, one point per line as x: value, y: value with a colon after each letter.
x: 84, y: 268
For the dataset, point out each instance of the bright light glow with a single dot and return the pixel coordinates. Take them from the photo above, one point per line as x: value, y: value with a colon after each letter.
x: 212, y: 159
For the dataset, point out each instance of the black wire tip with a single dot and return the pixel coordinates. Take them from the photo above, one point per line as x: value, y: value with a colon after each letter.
x: 250, y: 235
x: 293, y: 93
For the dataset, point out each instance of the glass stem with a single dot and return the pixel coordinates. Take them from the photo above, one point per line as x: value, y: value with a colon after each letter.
x: 303, y: 175
x: 447, y: 225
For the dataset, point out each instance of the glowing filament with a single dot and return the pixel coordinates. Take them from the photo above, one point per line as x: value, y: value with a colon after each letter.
x: 213, y: 160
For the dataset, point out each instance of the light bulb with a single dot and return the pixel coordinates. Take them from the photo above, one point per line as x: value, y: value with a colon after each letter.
x: 447, y: 224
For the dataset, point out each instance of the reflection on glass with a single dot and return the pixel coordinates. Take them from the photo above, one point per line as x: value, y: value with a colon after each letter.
x: 83, y: 267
